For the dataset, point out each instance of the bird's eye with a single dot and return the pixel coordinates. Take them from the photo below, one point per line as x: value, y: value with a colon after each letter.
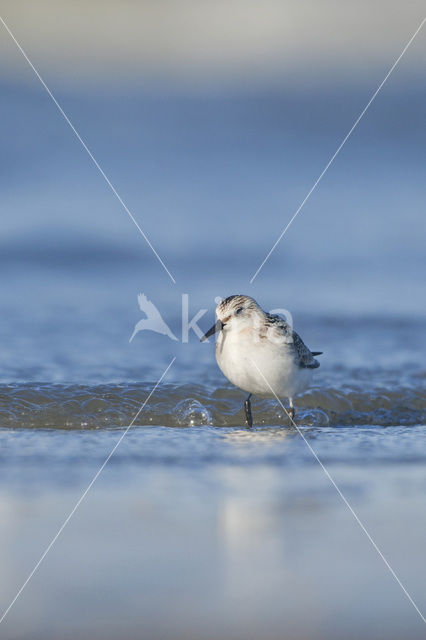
x: 238, y: 310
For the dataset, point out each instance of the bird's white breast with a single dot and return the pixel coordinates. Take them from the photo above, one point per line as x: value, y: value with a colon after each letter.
x: 257, y: 364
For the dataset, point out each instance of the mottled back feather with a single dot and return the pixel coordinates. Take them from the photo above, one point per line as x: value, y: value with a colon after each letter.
x: 303, y: 355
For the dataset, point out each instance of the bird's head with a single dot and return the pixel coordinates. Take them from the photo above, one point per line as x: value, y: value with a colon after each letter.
x: 235, y: 312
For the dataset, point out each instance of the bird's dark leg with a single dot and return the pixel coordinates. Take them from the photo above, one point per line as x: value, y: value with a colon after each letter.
x: 247, y: 409
x: 291, y: 411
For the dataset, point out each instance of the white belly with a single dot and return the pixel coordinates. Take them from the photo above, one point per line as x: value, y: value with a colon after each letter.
x: 262, y: 368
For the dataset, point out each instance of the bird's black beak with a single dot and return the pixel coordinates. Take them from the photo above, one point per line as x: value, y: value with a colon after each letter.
x: 214, y: 329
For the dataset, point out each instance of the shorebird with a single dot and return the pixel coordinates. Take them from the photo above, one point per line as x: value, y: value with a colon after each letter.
x: 260, y: 353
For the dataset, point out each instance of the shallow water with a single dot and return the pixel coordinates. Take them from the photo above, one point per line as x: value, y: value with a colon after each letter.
x: 228, y: 531
x: 173, y: 405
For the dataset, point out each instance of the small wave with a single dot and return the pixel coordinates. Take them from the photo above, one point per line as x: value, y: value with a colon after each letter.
x: 173, y: 405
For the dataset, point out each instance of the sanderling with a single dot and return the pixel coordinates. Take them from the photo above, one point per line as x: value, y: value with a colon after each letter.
x: 260, y: 353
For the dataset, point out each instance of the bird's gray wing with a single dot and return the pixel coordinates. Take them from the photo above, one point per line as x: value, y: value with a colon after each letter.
x: 304, y: 356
